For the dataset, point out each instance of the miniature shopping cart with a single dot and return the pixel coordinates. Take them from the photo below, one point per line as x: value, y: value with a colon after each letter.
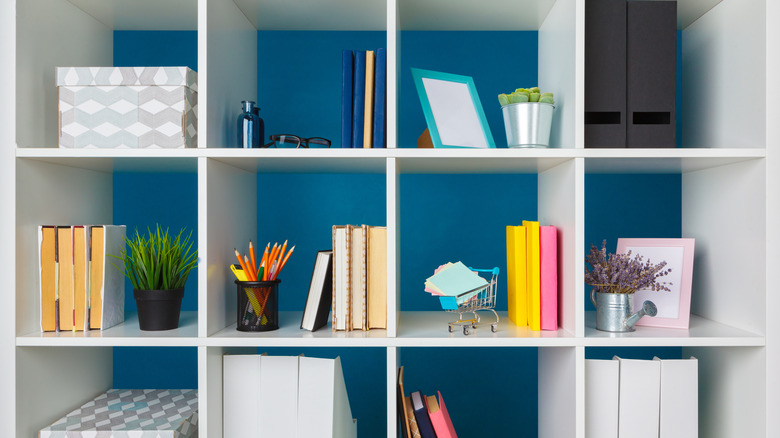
x: 470, y: 302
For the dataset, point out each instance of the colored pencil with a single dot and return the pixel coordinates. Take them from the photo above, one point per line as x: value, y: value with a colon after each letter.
x: 281, y: 254
x: 252, y: 256
x: 252, y: 275
x: 241, y: 262
x: 264, y: 261
x: 284, y: 262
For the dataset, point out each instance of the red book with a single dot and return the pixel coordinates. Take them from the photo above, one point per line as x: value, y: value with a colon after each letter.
x: 440, y: 418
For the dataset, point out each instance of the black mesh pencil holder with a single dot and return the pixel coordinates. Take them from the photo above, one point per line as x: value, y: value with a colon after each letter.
x: 258, y: 305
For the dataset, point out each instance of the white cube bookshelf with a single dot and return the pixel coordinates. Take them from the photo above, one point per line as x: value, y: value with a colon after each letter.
x: 728, y: 166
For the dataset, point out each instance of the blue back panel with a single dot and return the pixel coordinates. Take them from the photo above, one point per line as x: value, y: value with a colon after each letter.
x: 443, y: 217
x: 143, y: 199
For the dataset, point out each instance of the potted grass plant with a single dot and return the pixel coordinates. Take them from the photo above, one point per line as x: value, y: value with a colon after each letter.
x: 158, y: 266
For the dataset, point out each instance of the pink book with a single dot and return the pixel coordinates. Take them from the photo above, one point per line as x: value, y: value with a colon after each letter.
x: 440, y: 418
x: 548, y: 263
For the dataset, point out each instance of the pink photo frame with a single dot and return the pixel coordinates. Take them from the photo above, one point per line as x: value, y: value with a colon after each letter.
x: 674, y: 307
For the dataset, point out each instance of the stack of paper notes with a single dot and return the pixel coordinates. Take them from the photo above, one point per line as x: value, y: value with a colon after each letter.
x: 455, y: 284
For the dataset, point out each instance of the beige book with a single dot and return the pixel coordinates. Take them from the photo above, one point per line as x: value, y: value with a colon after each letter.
x: 358, y: 277
x: 340, y: 314
x: 65, y: 257
x: 376, y: 290
x: 96, y: 277
x: 48, y: 278
x: 368, y: 112
x: 79, y: 277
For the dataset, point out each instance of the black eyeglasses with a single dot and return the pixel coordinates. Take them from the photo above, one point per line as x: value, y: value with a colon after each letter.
x: 283, y: 140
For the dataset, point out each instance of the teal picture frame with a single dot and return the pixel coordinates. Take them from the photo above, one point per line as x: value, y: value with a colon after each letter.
x: 463, y: 124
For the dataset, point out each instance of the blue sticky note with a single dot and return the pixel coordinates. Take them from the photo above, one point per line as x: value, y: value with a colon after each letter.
x: 457, y: 280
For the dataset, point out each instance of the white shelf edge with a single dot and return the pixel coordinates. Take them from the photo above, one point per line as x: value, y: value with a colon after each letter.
x: 126, y: 334
x: 402, y: 153
x: 706, y: 333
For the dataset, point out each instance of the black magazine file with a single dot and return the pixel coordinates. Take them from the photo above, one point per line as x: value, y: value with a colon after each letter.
x: 630, y: 74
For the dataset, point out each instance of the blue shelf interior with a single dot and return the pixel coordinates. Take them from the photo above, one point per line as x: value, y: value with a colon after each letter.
x: 443, y: 217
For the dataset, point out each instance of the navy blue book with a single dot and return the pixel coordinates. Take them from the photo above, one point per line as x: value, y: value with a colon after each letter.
x: 347, y: 60
x: 358, y: 98
x: 421, y: 415
x: 380, y: 99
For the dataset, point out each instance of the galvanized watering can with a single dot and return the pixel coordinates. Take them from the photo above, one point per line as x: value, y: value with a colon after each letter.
x: 613, y: 311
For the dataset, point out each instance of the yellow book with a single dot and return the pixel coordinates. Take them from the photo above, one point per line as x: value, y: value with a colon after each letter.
x: 516, y: 275
x: 511, y: 286
x: 368, y: 114
x: 48, y: 279
x: 65, y: 256
x: 533, y: 275
x: 79, y: 277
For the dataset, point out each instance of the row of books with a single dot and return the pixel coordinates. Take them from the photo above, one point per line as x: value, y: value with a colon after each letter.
x: 364, y: 99
x: 422, y: 416
x: 285, y: 397
x: 628, y: 398
x: 80, y: 289
x: 359, y: 277
x: 532, y: 275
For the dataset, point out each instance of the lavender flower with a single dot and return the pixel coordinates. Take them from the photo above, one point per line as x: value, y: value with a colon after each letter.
x: 621, y: 273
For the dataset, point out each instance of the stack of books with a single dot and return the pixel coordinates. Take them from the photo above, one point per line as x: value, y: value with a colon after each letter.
x: 285, y: 397
x: 423, y: 416
x: 359, y: 277
x: 364, y: 99
x: 80, y: 287
x: 532, y: 275
x: 628, y: 398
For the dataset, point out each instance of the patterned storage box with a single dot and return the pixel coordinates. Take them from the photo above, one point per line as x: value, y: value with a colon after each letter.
x: 132, y: 413
x: 128, y: 107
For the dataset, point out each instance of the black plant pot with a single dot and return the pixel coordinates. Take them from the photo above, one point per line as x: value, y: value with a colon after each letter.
x: 158, y: 309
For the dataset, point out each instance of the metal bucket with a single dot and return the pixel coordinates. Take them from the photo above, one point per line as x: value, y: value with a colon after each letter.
x: 528, y: 124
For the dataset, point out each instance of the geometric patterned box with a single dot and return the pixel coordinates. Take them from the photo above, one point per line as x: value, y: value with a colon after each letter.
x: 127, y: 107
x: 132, y: 413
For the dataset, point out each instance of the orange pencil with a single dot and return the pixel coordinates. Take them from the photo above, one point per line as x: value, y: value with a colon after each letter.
x: 274, y: 252
x: 281, y: 255
x: 269, y: 262
x: 284, y: 262
x: 243, y: 265
x: 252, y: 273
x: 264, y: 260
x: 252, y: 257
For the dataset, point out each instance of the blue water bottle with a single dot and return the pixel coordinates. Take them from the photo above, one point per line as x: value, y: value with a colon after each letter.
x: 250, y: 126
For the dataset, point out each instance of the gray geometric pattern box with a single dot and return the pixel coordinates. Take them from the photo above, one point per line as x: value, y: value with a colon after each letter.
x: 132, y: 413
x: 127, y: 107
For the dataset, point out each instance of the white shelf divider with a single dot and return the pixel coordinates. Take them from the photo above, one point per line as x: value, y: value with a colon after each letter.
x: 231, y: 219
